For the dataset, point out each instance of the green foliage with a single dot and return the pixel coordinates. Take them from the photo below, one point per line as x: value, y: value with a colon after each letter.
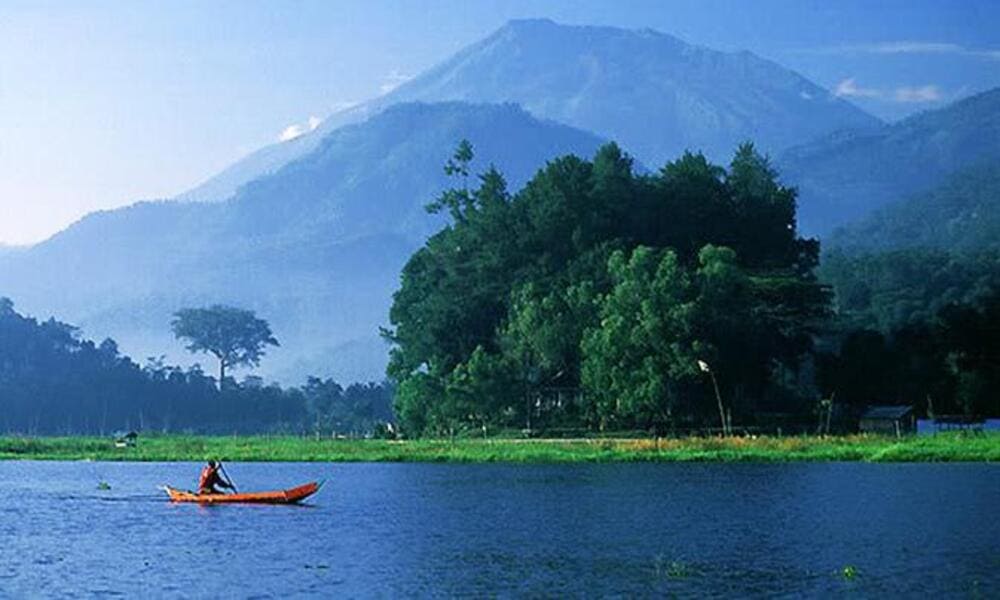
x: 596, y: 279
x: 643, y: 343
x: 938, y: 448
x: 54, y: 382
x: 890, y: 290
x: 235, y: 336
x: 946, y: 364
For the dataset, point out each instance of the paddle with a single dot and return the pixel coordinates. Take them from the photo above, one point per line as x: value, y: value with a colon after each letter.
x: 229, y: 479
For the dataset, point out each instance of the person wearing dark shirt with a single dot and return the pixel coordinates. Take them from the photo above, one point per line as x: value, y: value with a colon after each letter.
x: 210, y: 478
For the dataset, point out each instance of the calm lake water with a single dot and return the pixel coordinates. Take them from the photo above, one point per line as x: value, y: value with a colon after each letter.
x: 394, y: 530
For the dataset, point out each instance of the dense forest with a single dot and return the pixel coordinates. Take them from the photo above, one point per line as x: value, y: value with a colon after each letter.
x: 53, y: 382
x: 597, y: 298
x: 603, y: 299
x: 588, y: 299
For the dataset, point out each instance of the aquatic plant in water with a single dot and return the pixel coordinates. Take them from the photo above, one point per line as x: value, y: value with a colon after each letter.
x: 673, y: 569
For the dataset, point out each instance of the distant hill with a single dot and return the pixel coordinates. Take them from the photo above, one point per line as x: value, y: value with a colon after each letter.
x: 845, y: 176
x: 961, y: 214
x: 652, y: 93
x: 315, y: 248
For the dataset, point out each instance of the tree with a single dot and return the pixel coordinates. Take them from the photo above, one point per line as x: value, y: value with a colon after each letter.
x: 235, y: 336
x: 518, y: 293
x: 456, y: 200
x: 643, y: 346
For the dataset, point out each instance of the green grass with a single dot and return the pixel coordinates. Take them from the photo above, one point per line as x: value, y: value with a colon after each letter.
x: 939, y: 448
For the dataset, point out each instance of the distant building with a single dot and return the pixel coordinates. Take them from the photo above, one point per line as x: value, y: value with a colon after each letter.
x: 126, y: 440
x: 889, y: 420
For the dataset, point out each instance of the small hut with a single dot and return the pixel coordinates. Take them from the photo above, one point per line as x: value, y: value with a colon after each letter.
x: 889, y: 420
x: 126, y: 440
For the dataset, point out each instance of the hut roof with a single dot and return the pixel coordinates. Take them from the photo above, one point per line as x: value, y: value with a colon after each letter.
x: 887, y: 412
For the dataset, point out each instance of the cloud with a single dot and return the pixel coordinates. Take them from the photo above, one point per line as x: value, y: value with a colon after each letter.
x: 393, y: 80
x: 849, y: 88
x: 297, y: 129
x: 290, y: 133
x: 910, y: 47
x: 925, y: 93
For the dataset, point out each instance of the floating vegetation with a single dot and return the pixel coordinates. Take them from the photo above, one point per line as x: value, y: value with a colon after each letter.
x: 672, y: 569
x: 849, y: 572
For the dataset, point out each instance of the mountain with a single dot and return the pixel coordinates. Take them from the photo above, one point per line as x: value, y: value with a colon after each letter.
x: 315, y: 248
x: 652, y: 93
x: 844, y: 176
x: 961, y: 214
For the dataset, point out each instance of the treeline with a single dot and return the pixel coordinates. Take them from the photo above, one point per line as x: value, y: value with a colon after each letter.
x: 53, y: 382
x: 599, y: 298
x: 917, y: 326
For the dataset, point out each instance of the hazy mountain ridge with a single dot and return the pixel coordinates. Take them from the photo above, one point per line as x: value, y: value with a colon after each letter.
x: 316, y: 247
x: 651, y: 92
x: 844, y: 176
x: 960, y: 214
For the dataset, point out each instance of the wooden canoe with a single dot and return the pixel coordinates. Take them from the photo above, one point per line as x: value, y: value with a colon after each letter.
x: 289, y: 496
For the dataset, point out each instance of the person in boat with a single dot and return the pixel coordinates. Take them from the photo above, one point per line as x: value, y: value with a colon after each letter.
x: 210, y: 478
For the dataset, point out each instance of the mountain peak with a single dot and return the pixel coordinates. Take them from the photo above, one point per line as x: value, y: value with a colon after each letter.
x: 546, y: 31
x: 654, y: 94
x: 530, y: 24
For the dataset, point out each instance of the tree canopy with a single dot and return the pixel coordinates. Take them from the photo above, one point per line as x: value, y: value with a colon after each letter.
x: 52, y: 381
x: 235, y: 336
x: 604, y: 285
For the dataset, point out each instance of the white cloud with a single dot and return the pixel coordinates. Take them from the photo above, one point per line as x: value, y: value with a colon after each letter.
x: 849, y: 88
x: 343, y: 105
x: 297, y: 129
x: 393, y: 80
x: 290, y: 133
x: 909, y: 47
x: 924, y: 93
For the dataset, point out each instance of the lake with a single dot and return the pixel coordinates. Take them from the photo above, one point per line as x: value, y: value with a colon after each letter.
x: 503, y: 530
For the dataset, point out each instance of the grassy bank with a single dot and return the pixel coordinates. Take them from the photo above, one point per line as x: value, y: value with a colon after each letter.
x: 950, y: 448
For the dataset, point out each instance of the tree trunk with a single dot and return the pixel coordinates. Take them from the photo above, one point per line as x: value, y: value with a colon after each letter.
x: 222, y: 373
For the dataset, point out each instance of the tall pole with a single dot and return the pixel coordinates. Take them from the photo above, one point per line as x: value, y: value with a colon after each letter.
x: 718, y: 399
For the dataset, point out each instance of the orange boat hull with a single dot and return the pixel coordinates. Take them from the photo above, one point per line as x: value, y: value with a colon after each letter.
x: 289, y: 496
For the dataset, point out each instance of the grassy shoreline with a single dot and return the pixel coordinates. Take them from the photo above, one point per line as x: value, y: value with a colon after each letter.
x: 166, y: 448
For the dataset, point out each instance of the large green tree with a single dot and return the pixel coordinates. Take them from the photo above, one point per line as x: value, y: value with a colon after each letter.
x: 235, y: 336
x: 642, y: 346
x: 514, y: 297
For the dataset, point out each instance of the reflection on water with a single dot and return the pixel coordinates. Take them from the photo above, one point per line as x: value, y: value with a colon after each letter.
x: 410, y: 529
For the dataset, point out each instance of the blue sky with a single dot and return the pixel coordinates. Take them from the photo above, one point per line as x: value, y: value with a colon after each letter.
x: 106, y: 103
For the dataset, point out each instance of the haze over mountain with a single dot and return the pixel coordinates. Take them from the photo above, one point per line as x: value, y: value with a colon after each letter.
x: 845, y: 176
x: 312, y: 233
x: 651, y: 92
x: 315, y: 248
x: 960, y: 214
